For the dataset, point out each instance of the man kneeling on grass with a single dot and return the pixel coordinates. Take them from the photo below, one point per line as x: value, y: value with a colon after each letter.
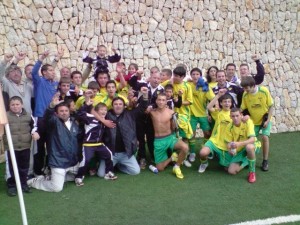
x: 241, y: 146
x: 62, y: 148
x: 165, y: 138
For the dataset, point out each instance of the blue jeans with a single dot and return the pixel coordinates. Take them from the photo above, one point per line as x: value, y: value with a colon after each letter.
x: 124, y: 164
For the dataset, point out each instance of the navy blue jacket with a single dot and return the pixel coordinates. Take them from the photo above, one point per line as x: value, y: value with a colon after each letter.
x: 62, y: 143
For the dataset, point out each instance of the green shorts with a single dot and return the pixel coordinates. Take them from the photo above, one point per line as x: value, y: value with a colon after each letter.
x: 264, y: 131
x: 203, y: 121
x: 225, y: 159
x: 161, y: 146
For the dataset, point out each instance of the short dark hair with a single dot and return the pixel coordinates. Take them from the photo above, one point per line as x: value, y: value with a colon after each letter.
x: 167, y: 71
x: 136, y: 67
x: 180, y: 71
x: 118, y: 98
x: 197, y: 70
x: 45, y: 68
x: 169, y: 87
x: 224, y: 97
x: 244, y: 64
x: 15, y: 98
x: 110, y: 82
x: 93, y: 85
x: 64, y: 80
x: 230, y: 64
x: 68, y: 101
x: 61, y: 105
x: 96, y: 75
x: 236, y: 109
x: 248, y: 81
x: 30, y: 64
x: 208, y: 78
x: 75, y: 72
x: 221, y: 71
x: 162, y: 94
x: 99, y: 106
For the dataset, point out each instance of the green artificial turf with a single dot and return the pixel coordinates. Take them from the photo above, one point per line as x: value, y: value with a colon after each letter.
x: 212, y: 198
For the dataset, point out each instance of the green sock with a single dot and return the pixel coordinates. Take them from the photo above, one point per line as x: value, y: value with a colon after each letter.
x: 192, y: 144
x: 252, y: 163
x: 204, y: 161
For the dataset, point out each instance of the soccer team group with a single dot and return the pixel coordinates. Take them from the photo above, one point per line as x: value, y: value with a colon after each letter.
x: 64, y: 130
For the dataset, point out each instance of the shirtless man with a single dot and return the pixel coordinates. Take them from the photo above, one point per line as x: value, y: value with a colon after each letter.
x: 165, y: 137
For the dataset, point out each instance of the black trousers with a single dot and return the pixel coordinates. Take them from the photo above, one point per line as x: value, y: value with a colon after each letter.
x: 144, y: 127
x: 22, y: 158
x: 39, y: 159
x: 88, y: 152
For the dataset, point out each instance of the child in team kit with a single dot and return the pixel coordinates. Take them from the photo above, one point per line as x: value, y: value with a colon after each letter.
x: 259, y: 103
x: 202, y: 94
x: 216, y: 143
x: 92, y: 143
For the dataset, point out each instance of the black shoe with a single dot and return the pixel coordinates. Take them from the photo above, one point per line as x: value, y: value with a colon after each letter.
x: 26, y: 189
x: 265, y: 165
x: 12, y: 192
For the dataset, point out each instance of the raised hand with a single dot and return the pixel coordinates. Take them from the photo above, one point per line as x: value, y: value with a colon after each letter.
x: 55, y: 100
x: 60, y: 52
x: 8, y: 57
x: 44, y: 55
x: 20, y: 56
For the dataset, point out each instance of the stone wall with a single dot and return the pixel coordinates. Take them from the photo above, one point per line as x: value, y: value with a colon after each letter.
x: 167, y: 32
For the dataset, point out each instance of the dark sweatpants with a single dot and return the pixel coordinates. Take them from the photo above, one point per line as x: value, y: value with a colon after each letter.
x: 88, y: 153
x: 145, y: 127
x: 22, y: 158
x: 39, y: 158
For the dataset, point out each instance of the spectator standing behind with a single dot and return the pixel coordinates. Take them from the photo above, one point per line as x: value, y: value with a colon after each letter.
x: 233, y: 90
x: 100, y: 62
x: 62, y: 146
x: 231, y: 75
x: 21, y: 124
x: 245, y: 71
x: 13, y: 84
x: 44, y: 89
x: 121, y: 139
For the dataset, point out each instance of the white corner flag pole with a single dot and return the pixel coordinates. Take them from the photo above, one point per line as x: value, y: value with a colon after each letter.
x: 4, y: 121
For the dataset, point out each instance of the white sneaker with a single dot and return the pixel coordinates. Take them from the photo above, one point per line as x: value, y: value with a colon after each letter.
x: 192, y: 157
x: 202, y: 167
x: 187, y: 163
x: 110, y: 176
x: 79, y: 182
x: 33, y: 180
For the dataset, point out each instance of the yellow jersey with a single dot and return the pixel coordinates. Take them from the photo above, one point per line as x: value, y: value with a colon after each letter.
x: 257, y: 104
x: 241, y: 133
x: 222, y: 119
x: 80, y: 101
x: 200, y: 100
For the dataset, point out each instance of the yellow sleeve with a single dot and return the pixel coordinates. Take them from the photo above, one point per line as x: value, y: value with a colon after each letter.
x: 243, y: 105
x: 250, y: 128
x: 210, y: 94
x: 189, y: 93
x: 79, y: 102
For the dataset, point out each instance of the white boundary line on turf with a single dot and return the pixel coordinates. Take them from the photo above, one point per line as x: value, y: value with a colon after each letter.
x: 273, y: 220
